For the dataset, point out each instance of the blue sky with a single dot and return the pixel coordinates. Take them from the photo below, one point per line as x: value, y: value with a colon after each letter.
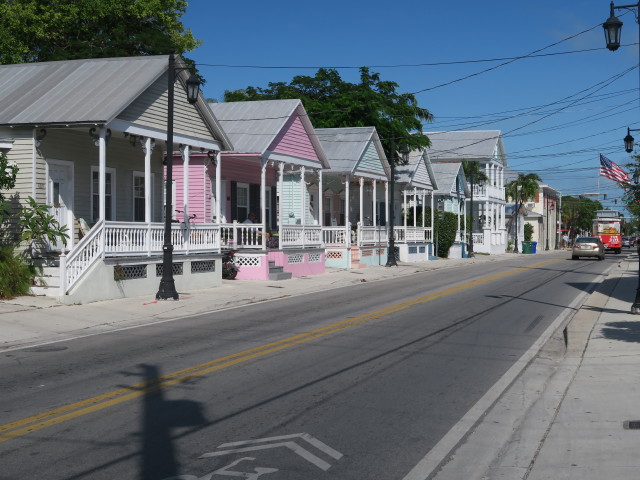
x: 557, y: 112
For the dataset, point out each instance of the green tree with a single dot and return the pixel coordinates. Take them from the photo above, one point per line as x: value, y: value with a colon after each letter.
x: 578, y: 214
x: 331, y: 103
x: 47, y: 30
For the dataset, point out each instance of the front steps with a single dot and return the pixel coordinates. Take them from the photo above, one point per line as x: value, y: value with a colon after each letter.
x: 277, y: 273
x: 49, y: 283
x: 355, y: 258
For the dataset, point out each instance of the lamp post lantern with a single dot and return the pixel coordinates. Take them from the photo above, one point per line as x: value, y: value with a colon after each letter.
x: 167, y: 287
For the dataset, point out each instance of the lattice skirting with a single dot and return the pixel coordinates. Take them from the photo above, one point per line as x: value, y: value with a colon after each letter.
x: 333, y: 254
x: 248, y: 260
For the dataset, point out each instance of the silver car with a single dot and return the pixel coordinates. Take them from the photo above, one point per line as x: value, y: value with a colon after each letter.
x: 587, y: 247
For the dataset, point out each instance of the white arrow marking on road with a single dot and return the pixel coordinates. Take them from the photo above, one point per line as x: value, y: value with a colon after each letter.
x: 250, y: 445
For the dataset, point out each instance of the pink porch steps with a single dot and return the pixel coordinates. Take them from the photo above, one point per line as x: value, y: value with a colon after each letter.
x: 355, y: 258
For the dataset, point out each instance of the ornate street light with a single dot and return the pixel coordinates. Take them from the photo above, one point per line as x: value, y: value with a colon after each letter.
x: 167, y: 287
x: 628, y: 140
x: 612, y: 30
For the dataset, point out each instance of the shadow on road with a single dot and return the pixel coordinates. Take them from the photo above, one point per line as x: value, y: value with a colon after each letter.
x: 159, y: 417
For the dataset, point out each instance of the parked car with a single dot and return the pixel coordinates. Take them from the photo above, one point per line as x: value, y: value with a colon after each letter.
x: 626, y: 242
x: 587, y: 247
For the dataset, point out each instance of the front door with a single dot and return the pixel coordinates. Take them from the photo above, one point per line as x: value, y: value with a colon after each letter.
x: 60, y: 198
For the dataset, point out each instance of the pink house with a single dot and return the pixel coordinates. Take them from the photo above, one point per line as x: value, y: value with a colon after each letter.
x: 272, y: 173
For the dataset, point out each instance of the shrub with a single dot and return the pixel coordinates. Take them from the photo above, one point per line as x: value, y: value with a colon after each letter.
x: 15, y: 274
x: 528, y: 232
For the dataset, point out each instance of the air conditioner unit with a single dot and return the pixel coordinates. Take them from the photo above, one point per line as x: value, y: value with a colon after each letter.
x: 531, y: 204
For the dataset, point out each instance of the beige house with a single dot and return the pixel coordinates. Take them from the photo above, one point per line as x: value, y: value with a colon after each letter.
x: 89, y: 139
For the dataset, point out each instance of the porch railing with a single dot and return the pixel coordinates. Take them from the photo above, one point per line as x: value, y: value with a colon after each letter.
x: 241, y: 235
x: 292, y: 236
x: 478, y: 238
x: 369, y: 235
x: 412, y: 234
x: 83, y: 256
x: 336, y: 236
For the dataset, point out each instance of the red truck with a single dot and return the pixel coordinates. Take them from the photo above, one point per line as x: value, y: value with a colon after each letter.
x: 606, y: 225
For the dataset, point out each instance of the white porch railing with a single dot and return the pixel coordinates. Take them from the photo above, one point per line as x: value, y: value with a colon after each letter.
x: 486, y: 192
x: 83, y: 255
x: 242, y: 235
x: 369, y: 235
x: 292, y: 236
x: 336, y: 236
x: 412, y: 234
x: 478, y: 238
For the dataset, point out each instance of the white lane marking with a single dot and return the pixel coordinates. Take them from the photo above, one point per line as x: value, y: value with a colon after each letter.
x: 441, y: 451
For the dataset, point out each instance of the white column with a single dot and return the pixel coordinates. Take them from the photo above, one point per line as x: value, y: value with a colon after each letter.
x: 374, y: 202
x: 386, y: 203
x: 219, y: 197
x: 347, y: 202
x: 280, y: 195
x: 415, y: 206
x: 102, y: 166
x: 303, y: 196
x: 185, y: 151
x: 263, y: 203
x: 147, y: 179
x: 404, y: 208
x: 320, y: 200
x: 424, y: 196
x: 361, y: 203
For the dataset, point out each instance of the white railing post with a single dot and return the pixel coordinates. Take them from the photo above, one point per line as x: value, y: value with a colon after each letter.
x: 63, y: 274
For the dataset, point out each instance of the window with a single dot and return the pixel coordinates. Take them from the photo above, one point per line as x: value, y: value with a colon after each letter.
x: 139, y: 196
x: 110, y: 184
x: 242, y: 202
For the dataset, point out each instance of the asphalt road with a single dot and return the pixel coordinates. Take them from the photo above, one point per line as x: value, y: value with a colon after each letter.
x: 355, y: 383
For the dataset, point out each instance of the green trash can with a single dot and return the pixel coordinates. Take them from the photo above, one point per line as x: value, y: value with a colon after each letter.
x: 527, y: 247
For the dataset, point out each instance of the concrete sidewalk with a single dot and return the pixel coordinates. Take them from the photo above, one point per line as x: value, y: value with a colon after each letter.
x: 32, y: 320
x: 564, y: 418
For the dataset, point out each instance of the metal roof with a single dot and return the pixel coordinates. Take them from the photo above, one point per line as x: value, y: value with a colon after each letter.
x: 463, y: 145
x: 252, y: 126
x: 88, y: 91
x: 446, y: 173
x: 407, y: 173
x: 345, y: 146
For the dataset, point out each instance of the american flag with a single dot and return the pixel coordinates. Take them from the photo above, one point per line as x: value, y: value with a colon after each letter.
x: 612, y: 171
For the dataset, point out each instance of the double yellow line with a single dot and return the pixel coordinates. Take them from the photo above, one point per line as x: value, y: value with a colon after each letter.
x: 56, y: 416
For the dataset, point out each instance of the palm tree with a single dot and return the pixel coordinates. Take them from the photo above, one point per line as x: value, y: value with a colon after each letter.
x: 475, y: 174
x: 522, y: 189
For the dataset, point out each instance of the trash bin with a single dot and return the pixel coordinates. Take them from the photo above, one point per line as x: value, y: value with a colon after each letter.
x: 533, y: 248
x: 527, y: 247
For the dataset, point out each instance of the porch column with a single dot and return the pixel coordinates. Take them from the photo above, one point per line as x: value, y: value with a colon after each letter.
x: 147, y: 148
x: 303, y: 197
x: 374, y: 202
x: 102, y: 181
x: 433, y: 228
x: 347, y: 207
x: 404, y: 209
x: 361, y: 205
x: 424, y: 201
x: 263, y: 197
x: 386, y: 203
x: 415, y: 206
x: 280, y: 203
x: 218, y: 188
x: 320, y: 200
x: 185, y: 151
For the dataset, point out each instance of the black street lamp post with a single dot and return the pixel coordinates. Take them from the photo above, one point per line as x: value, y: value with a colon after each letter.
x: 612, y: 31
x: 167, y: 287
x: 391, y: 252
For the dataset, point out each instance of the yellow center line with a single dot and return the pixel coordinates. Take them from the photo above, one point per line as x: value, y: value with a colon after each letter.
x: 59, y: 415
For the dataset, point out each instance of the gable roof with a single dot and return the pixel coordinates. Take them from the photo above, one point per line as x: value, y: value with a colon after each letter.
x: 84, y: 92
x: 446, y: 173
x: 417, y: 172
x: 465, y: 145
x: 346, y: 146
x: 253, y: 126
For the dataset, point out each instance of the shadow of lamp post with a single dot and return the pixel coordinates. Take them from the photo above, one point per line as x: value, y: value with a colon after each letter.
x: 167, y: 287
